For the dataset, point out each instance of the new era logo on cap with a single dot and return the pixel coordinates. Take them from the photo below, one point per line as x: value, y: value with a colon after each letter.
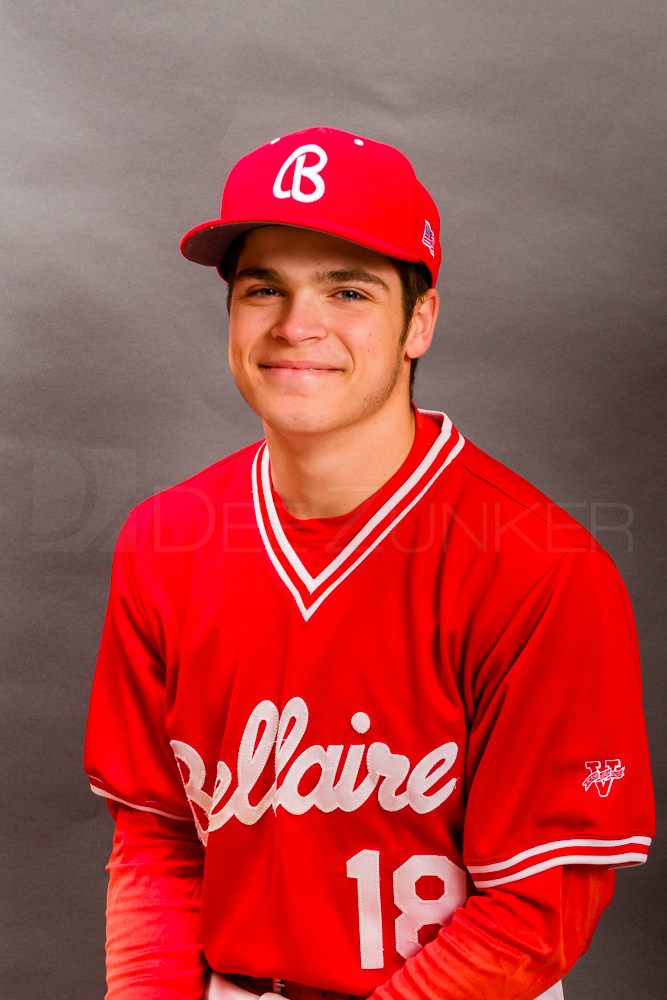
x: 330, y: 181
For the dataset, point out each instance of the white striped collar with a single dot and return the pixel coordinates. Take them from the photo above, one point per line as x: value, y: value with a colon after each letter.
x: 309, y: 592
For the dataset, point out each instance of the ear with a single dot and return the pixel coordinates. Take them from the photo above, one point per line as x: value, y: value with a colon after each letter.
x: 422, y: 325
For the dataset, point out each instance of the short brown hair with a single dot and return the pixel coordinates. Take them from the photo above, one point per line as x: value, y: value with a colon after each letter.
x: 414, y: 277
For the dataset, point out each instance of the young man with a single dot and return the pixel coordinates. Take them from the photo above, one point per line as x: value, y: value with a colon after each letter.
x: 367, y: 709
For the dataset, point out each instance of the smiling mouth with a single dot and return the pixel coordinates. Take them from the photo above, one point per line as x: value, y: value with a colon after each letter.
x: 305, y: 367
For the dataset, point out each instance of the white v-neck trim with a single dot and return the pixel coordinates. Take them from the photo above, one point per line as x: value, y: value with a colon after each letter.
x: 261, y: 484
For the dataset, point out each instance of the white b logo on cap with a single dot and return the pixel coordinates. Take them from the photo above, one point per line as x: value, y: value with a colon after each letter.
x: 298, y: 157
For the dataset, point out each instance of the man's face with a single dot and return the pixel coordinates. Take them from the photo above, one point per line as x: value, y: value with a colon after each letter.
x: 315, y: 331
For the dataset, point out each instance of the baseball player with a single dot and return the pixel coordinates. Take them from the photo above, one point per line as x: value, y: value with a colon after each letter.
x: 367, y: 709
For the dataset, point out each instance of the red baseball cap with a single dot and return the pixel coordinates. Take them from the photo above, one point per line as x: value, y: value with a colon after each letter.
x: 330, y: 181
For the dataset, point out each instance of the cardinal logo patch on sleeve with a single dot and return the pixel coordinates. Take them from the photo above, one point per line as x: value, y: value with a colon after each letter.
x: 603, y: 777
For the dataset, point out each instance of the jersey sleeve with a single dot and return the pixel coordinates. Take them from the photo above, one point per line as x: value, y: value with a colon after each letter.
x: 557, y: 770
x: 153, y: 909
x: 127, y: 753
x: 515, y: 942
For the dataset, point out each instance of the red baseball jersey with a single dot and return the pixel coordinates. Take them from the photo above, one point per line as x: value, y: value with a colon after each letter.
x: 367, y: 717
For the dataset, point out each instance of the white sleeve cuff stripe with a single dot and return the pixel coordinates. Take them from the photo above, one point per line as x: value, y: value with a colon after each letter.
x: 133, y: 805
x: 559, y: 845
x: 611, y: 861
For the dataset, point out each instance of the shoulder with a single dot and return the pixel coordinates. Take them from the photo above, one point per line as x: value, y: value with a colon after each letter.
x: 516, y: 513
x: 192, y: 509
x: 504, y: 542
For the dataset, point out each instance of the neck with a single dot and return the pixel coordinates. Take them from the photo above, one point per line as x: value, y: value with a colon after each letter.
x: 320, y: 476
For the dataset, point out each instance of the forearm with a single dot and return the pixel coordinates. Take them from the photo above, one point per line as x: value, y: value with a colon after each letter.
x: 510, y: 943
x: 153, y: 910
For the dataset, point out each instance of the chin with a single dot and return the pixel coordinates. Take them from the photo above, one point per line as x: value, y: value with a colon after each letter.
x: 292, y: 413
x: 295, y: 423
x: 303, y: 415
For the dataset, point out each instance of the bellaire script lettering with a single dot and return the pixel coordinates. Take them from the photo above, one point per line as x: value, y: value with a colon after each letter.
x: 270, y: 733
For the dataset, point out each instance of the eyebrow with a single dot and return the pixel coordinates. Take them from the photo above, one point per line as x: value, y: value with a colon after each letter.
x: 345, y: 274
x: 258, y: 273
x: 332, y: 276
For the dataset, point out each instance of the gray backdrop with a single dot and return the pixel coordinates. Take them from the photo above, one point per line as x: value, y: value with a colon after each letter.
x: 537, y: 126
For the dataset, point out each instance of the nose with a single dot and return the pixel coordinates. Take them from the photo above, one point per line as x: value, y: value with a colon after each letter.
x: 300, y: 320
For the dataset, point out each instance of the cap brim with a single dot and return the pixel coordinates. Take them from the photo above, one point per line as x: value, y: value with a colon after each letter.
x: 207, y: 243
